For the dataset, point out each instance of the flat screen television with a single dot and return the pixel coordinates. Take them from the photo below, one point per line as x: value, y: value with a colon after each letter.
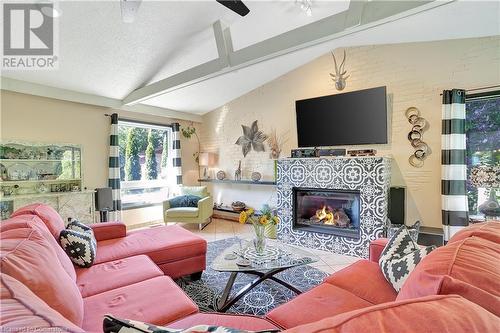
x: 353, y: 118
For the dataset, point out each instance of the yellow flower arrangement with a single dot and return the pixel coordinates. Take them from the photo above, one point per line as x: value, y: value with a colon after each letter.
x: 243, y: 217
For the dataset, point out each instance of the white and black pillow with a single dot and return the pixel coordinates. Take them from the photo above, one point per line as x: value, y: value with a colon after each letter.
x: 79, y: 243
x: 400, y: 256
x: 116, y: 325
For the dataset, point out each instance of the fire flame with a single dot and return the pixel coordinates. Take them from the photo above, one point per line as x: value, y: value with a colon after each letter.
x: 326, y: 216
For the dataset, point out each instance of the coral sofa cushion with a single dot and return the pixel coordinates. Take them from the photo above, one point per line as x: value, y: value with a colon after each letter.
x: 33, y: 221
x: 115, y: 274
x: 241, y: 322
x: 27, y: 256
x: 365, y: 280
x: 469, y: 267
x: 323, y: 301
x: 162, y: 244
x: 47, y: 214
x: 157, y: 301
x: 486, y: 230
x: 431, y: 314
x: 23, y: 311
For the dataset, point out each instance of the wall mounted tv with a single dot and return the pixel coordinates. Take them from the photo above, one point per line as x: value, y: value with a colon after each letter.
x: 353, y: 118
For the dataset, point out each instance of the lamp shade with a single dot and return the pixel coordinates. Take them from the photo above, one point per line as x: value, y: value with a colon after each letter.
x: 204, y: 159
x: 485, y: 176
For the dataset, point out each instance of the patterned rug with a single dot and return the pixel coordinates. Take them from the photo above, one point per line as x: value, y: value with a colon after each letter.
x: 261, y: 299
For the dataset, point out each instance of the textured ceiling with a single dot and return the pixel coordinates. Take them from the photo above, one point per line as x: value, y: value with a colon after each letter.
x: 101, y: 55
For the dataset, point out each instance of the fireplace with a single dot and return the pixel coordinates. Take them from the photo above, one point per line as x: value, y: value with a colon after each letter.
x: 327, y: 211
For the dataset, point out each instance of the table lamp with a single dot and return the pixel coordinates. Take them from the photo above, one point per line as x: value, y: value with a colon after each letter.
x: 204, y: 161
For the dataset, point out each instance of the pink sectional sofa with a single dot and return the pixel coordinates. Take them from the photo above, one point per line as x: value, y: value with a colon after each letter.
x: 454, y: 289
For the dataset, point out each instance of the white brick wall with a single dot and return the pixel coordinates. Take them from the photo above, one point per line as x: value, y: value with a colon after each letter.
x: 415, y: 74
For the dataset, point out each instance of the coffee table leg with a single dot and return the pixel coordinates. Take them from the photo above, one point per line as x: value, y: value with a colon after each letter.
x: 227, y: 291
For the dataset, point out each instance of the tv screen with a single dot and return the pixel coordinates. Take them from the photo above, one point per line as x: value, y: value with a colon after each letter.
x: 353, y: 118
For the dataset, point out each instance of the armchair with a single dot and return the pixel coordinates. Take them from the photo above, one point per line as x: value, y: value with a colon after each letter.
x: 202, y: 214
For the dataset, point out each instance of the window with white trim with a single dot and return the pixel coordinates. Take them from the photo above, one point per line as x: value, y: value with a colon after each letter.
x: 146, y: 171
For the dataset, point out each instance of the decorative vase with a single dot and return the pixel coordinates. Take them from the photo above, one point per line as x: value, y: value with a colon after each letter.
x: 271, y: 231
x: 259, y: 242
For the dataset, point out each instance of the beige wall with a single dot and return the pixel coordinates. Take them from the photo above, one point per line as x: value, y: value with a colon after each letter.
x: 414, y: 74
x: 38, y: 119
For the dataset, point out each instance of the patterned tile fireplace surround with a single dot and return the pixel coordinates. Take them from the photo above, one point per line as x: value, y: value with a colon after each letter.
x: 371, y: 176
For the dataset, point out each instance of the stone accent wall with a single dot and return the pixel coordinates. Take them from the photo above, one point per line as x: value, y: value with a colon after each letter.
x: 369, y: 175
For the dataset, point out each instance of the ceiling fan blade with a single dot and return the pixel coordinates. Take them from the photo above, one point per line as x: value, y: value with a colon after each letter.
x: 129, y: 9
x: 236, y: 6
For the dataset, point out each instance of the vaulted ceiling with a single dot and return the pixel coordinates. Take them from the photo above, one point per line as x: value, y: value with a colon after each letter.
x: 100, y: 55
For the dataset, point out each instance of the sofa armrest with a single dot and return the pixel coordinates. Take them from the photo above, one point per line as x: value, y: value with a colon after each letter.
x: 376, y: 248
x: 109, y: 230
x: 206, y: 207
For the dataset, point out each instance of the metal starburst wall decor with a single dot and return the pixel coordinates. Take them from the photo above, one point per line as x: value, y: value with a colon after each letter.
x: 251, y: 138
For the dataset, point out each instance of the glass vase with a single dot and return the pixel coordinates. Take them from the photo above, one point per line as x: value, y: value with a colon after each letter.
x: 259, y: 241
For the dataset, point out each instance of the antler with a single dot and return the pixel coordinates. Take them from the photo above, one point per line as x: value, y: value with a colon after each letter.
x: 335, y: 62
x: 341, y: 68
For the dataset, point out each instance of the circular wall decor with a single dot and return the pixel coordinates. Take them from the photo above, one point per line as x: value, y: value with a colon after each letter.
x: 415, y: 136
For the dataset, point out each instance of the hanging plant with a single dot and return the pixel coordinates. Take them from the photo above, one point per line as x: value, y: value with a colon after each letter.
x: 251, y: 138
x: 188, y: 132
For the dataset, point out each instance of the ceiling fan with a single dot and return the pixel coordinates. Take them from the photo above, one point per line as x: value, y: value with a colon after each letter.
x: 129, y: 8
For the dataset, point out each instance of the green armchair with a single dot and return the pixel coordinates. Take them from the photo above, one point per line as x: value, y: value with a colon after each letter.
x: 201, y: 215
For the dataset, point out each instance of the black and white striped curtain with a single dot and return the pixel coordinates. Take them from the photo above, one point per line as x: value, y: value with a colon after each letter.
x: 114, y: 166
x: 453, y: 160
x: 176, y: 153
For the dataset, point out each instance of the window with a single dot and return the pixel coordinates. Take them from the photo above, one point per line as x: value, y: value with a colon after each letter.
x: 145, y: 168
x: 482, y: 127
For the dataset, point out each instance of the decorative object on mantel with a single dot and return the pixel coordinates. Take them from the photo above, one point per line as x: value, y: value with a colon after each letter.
x: 221, y: 175
x: 419, y: 125
x: 304, y: 152
x: 237, y: 173
x: 251, y: 138
x: 238, y: 206
x: 275, y: 144
x: 362, y: 152
x: 256, y: 176
x: 339, y: 77
x: 487, y: 177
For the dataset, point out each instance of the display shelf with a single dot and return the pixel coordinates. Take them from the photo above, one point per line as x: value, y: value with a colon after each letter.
x: 243, y: 182
x: 39, y: 195
x: 48, y: 181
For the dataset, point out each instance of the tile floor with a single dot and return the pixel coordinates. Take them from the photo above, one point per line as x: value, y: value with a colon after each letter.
x: 221, y: 229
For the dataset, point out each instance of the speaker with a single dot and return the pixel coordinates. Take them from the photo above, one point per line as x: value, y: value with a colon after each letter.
x: 304, y: 152
x: 397, y: 205
x: 103, y: 199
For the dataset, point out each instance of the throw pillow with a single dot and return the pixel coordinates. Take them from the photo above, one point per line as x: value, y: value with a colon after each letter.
x: 79, y: 243
x: 116, y: 325
x: 400, y: 256
x: 187, y: 200
x: 412, y: 229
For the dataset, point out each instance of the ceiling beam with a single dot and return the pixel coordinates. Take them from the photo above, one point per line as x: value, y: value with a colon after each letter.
x: 29, y: 88
x: 361, y: 15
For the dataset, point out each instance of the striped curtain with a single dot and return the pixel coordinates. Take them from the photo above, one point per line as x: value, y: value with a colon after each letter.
x: 176, y: 153
x: 453, y: 160
x: 114, y: 167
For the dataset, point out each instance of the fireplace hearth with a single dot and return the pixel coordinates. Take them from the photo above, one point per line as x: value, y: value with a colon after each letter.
x: 328, y: 211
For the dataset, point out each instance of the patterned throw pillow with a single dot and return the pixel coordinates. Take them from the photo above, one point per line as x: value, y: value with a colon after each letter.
x: 400, y: 256
x: 79, y: 243
x: 115, y: 325
x: 187, y: 200
x: 412, y: 229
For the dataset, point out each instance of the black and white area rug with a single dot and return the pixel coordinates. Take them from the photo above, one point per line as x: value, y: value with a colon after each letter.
x: 261, y: 299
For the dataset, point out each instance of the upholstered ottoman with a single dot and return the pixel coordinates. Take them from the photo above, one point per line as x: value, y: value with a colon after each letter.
x: 175, y: 250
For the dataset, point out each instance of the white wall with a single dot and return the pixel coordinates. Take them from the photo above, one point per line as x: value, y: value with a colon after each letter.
x: 415, y: 74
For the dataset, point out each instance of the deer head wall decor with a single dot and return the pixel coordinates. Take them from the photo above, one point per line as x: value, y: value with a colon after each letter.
x: 339, y: 77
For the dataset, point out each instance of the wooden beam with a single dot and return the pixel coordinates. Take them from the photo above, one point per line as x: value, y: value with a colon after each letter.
x: 360, y: 16
x: 24, y: 87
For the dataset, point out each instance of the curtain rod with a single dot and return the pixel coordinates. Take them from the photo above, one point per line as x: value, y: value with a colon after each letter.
x: 476, y: 89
